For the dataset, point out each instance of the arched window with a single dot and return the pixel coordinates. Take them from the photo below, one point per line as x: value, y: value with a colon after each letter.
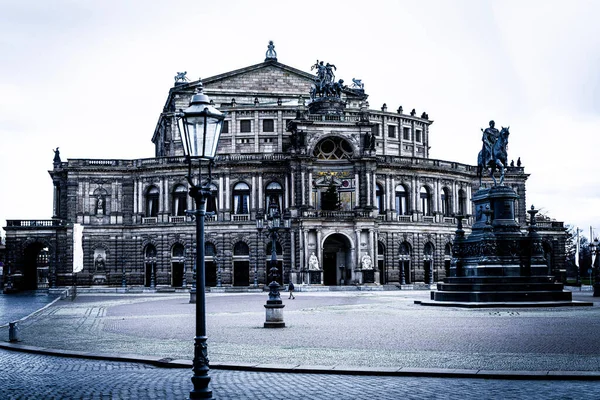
x: 177, y: 251
x: 401, y: 200
x: 445, y: 202
x: 274, y: 194
x: 333, y: 148
x: 241, y: 249
x: 425, y: 200
x: 209, y: 250
x: 212, y: 205
x: 150, y: 251
x: 152, y: 201
x: 179, y: 200
x: 379, y: 198
x: 241, y: 195
x: 278, y: 249
x: 462, y: 202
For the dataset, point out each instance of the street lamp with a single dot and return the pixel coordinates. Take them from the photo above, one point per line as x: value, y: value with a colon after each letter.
x: 594, y: 252
x: 274, y: 306
x: 200, y: 125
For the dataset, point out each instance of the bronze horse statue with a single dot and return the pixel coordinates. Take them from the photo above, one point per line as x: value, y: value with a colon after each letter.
x: 496, y: 160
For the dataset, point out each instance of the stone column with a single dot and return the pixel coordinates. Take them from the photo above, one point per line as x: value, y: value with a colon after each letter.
x: 357, y: 189
x: 310, y: 189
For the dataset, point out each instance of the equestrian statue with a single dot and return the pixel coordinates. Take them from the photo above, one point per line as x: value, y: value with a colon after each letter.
x: 493, y: 154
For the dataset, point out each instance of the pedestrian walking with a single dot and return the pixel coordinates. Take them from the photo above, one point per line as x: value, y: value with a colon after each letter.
x: 291, y: 289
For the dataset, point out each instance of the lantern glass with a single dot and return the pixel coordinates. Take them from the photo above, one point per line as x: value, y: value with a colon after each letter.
x: 201, y: 125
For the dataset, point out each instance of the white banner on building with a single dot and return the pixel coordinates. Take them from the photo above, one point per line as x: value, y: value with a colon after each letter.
x: 77, y: 248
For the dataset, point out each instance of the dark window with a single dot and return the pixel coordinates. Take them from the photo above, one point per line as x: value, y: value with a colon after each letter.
x: 391, y: 131
x: 241, y: 195
x: 418, y: 134
x: 268, y: 125
x: 462, y: 202
x: 379, y: 198
x: 445, y: 202
x: 225, y: 128
x: 375, y: 130
x: 246, y: 126
x: 179, y: 200
x: 152, y: 202
x: 406, y: 133
x: 425, y: 201
x: 401, y: 200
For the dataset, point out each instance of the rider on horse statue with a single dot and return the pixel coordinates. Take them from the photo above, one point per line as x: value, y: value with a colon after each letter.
x: 493, y: 153
x: 490, y: 135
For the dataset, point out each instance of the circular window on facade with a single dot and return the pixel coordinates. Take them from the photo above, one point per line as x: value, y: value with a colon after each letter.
x: 333, y: 148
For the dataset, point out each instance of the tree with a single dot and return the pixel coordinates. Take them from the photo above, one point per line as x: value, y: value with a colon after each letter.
x: 330, y: 200
x: 585, y: 256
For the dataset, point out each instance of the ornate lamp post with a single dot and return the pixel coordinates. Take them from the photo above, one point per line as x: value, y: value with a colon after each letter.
x: 200, y: 125
x: 274, y: 306
x: 595, y: 249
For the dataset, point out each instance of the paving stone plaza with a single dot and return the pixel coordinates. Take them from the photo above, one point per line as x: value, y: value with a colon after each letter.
x: 372, y: 335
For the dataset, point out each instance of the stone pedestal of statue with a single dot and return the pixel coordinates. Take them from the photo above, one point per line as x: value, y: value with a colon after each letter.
x: 498, y: 265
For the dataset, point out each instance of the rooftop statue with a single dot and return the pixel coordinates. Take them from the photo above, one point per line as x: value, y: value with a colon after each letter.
x: 181, y: 77
x: 325, y: 84
x: 493, y: 153
x: 271, y: 53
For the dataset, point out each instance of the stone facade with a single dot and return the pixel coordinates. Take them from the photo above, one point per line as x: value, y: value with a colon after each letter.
x: 397, y: 204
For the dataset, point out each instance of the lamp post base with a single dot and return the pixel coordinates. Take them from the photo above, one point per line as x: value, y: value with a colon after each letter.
x: 193, y: 296
x: 274, y: 315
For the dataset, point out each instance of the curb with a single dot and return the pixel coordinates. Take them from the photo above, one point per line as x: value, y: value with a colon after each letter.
x: 317, y: 369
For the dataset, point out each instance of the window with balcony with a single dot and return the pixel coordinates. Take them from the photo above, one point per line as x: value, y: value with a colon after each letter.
x: 152, y: 196
x: 445, y: 202
x: 274, y: 194
x: 241, y: 196
x: 425, y: 196
x: 401, y: 200
x: 179, y: 201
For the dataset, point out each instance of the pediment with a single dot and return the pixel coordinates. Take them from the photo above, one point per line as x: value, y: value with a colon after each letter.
x: 268, y: 77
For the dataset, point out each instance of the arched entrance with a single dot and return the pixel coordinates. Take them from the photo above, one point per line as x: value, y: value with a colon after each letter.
x: 337, y: 260
x: 35, y: 267
x: 177, y: 263
x: 241, y: 264
x: 381, y: 263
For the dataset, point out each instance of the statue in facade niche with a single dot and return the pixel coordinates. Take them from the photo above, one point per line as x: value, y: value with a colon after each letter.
x: 313, y: 262
x: 366, y: 262
x: 100, y: 206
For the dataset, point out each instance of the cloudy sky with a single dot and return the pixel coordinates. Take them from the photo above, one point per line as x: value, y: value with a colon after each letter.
x: 91, y: 77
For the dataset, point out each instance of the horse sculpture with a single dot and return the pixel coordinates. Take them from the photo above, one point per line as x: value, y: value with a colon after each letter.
x: 496, y: 160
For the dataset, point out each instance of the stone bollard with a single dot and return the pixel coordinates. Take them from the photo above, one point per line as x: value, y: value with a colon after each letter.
x: 13, y: 332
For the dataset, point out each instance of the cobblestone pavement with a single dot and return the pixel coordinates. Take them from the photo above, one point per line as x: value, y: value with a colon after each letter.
x: 31, y: 376
x: 19, y: 305
x: 374, y: 329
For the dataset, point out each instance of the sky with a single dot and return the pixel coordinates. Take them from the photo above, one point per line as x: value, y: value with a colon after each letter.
x: 91, y: 77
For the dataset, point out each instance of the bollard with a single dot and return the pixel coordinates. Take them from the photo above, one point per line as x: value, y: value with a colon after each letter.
x: 13, y: 332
